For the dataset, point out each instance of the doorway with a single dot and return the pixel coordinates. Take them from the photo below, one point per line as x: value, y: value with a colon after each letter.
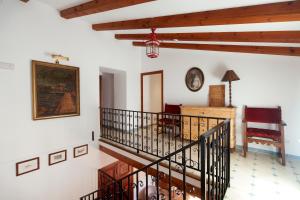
x: 112, y: 90
x: 107, y: 90
x: 152, y: 91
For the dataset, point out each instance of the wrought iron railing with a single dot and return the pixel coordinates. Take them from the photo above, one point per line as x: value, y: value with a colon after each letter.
x: 161, y: 179
x: 156, y: 134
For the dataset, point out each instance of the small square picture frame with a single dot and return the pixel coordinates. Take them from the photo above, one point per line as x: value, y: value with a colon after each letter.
x: 27, y: 166
x: 80, y: 150
x: 57, y: 157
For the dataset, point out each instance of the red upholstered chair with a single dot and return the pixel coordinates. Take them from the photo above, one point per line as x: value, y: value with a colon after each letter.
x: 265, y: 136
x: 170, y: 118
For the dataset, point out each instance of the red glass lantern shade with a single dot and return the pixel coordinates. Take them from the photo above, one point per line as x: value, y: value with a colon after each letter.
x: 152, y: 45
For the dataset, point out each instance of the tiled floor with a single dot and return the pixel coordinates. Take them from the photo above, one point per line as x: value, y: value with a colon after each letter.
x: 261, y: 177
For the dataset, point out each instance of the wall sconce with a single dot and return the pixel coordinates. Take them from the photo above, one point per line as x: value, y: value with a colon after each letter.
x: 57, y: 58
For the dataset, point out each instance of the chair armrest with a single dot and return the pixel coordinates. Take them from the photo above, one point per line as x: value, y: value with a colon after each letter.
x: 283, y: 123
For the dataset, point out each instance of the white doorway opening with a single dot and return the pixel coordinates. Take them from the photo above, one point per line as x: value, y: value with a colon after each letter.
x: 112, y: 88
x: 152, y: 91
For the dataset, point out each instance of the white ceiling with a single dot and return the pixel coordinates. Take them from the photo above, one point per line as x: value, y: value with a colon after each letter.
x: 168, y: 7
x: 156, y: 8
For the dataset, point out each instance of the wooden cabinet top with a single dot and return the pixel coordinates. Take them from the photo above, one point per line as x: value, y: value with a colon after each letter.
x: 222, y: 112
x: 209, y: 108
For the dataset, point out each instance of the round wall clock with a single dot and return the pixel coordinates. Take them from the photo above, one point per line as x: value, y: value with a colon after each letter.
x: 194, y: 79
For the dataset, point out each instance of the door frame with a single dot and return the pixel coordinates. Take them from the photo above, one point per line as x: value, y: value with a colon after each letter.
x: 100, y: 99
x: 161, y: 72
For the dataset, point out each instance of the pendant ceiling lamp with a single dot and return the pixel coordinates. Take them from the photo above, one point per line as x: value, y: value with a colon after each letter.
x: 152, y: 45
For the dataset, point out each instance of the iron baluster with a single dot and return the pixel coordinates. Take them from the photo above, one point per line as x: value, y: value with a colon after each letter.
x: 157, y: 181
x: 151, y: 133
x: 198, y: 143
x: 146, y: 183
x: 228, y: 151
x: 170, y: 178
x: 208, y: 145
x: 137, y: 186
x: 137, y: 133
x: 157, y: 134
x: 142, y: 127
x: 203, y: 171
x: 184, y: 174
x: 213, y: 164
x: 147, y: 132
x: 163, y: 136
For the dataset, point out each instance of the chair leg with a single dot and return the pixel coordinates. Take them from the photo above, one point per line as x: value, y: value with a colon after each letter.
x: 282, y: 146
x: 245, y: 138
x: 245, y: 147
x: 282, y: 151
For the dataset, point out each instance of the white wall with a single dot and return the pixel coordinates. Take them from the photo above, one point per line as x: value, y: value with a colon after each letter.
x: 108, y: 90
x: 30, y: 31
x: 265, y: 81
x: 120, y: 90
x: 152, y: 93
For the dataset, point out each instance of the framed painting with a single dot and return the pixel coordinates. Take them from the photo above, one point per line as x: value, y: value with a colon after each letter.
x: 27, y: 166
x: 194, y: 79
x: 80, y: 150
x: 55, y: 90
x: 57, y: 157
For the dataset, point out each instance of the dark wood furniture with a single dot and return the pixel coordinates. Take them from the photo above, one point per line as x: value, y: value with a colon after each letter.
x: 264, y: 136
x: 115, y: 172
x: 190, y: 127
x: 170, y: 119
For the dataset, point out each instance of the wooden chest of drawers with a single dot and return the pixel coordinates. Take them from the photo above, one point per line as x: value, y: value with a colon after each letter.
x: 191, y: 128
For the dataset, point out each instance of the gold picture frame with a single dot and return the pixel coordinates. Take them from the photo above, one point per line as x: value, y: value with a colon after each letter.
x: 55, y: 90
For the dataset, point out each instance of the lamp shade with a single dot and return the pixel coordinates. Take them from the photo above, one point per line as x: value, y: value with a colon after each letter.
x: 229, y: 76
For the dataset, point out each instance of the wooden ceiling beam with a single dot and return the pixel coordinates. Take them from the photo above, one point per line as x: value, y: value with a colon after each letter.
x: 97, y: 6
x: 286, y: 51
x: 274, y: 12
x: 261, y: 36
